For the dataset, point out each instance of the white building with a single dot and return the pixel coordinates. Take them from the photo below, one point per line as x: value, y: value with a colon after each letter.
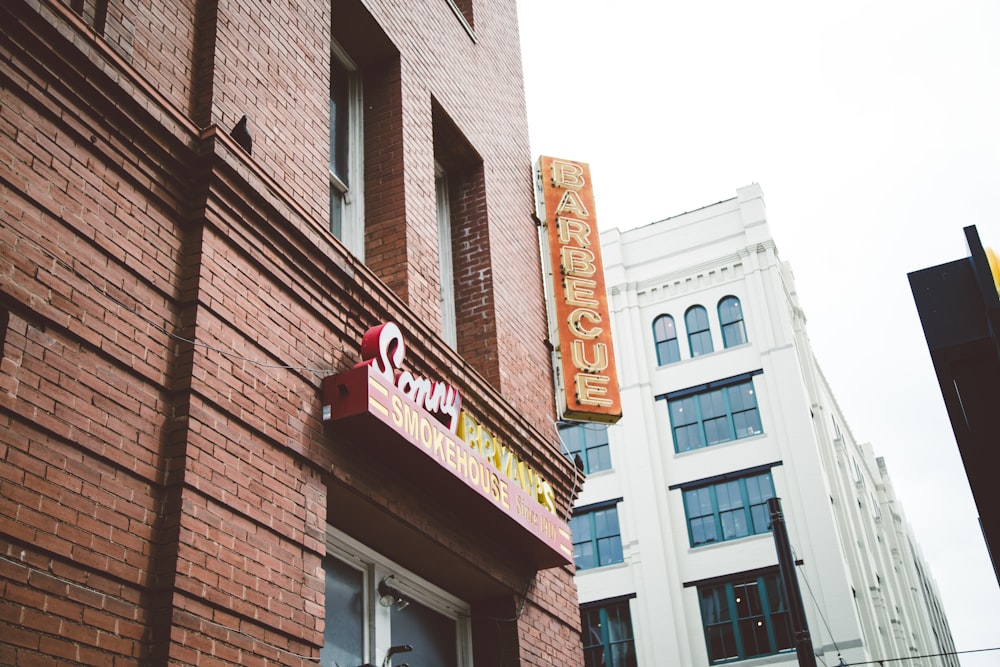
x: 724, y: 407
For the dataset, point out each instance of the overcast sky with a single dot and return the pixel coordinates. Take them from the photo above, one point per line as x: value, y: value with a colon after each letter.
x: 873, y: 129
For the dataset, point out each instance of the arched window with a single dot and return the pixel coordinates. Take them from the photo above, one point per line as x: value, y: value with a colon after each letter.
x: 734, y: 332
x: 665, y: 336
x: 699, y: 335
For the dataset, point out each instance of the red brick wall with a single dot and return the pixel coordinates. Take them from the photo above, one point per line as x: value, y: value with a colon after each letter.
x: 170, y: 305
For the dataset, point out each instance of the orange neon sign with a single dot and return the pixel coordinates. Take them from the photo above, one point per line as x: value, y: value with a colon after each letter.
x: 587, y: 381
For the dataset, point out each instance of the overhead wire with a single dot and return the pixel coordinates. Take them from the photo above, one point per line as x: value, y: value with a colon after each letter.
x: 882, y: 661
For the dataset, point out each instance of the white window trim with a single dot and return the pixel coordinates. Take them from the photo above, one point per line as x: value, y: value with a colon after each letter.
x: 376, y: 567
x: 449, y: 323
x: 353, y: 224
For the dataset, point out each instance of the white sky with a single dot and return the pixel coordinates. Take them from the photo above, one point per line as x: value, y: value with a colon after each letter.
x: 873, y: 129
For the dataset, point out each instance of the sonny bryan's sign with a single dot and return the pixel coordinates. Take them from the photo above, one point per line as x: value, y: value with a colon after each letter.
x: 428, y: 416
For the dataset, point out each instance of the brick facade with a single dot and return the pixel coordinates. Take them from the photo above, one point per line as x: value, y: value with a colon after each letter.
x: 169, y: 305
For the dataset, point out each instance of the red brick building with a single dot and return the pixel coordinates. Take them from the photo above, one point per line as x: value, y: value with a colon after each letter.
x: 180, y: 483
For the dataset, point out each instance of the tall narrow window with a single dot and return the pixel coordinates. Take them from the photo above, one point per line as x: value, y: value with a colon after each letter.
x: 699, y: 335
x: 346, y: 152
x: 590, y: 441
x: 597, y: 538
x: 745, y: 616
x: 607, y: 634
x: 734, y: 332
x: 449, y: 326
x: 665, y: 335
x: 344, y: 632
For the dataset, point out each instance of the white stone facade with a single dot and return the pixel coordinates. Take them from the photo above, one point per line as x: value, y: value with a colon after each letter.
x: 865, y: 589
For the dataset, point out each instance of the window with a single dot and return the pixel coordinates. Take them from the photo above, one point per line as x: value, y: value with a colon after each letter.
x: 590, y: 441
x: 665, y: 334
x: 433, y: 622
x: 731, y: 318
x: 449, y: 330
x: 745, y: 616
x: 728, y: 509
x: 346, y: 151
x: 714, y: 413
x: 607, y: 634
x: 597, y: 536
x: 699, y: 335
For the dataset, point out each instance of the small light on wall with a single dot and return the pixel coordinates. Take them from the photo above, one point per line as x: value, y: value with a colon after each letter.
x: 389, y: 596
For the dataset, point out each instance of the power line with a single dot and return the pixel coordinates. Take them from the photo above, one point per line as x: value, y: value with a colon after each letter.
x: 917, y: 657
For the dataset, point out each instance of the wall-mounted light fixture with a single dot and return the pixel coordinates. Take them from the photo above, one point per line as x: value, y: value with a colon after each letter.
x: 389, y: 596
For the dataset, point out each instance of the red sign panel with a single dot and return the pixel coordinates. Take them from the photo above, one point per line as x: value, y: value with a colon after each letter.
x: 587, y: 381
x: 382, y: 407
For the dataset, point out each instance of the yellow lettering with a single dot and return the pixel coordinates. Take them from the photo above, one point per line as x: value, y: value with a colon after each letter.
x: 397, y: 411
x: 468, y: 430
x: 525, y: 476
x: 572, y: 203
x: 505, y: 459
x: 571, y: 229
x: 412, y: 423
x: 567, y: 175
x: 489, y: 447
x: 438, y: 444
x: 580, y: 291
x: 475, y: 471
x: 449, y: 453
x: 580, y: 357
x: 546, y: 496
x: 426, y: 433
x: 461, y: 460
x: 590, y: 389
x: 576, y: 261
x: 576, y: 325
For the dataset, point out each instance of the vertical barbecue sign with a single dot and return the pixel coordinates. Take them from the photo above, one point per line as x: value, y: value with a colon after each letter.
x: 579, y: 317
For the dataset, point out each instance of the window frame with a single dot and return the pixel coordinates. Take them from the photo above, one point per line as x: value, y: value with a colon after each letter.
x: 726, y: 326
x: 607, y: 656
x: 600, y: 450
x: 376, y: 623
x: 664, y: 344
x: 594, y: 540
x: 693, y: 400
x: 774, y: 617
x: 446, y: 266
x: 352, y: 192
x: 703, y: 334
x: 710, y: 487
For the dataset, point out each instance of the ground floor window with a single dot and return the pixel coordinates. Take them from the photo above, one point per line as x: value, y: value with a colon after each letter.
x: 378, y: 613
x: 607, y: 634
x: 745, y: 616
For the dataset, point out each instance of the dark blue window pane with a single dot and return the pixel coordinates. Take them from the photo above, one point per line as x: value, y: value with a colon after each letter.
x: 699, y: 336
x: 755, y: 620
x: 665, y: 338
x: 701, y: 343
x: 688, y: 438
x: 712, y: 404
x: 590, y: 441
x: 716, y: 431
x: 737, y: 507
x: 596, y: 538
x: 731, y: 318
